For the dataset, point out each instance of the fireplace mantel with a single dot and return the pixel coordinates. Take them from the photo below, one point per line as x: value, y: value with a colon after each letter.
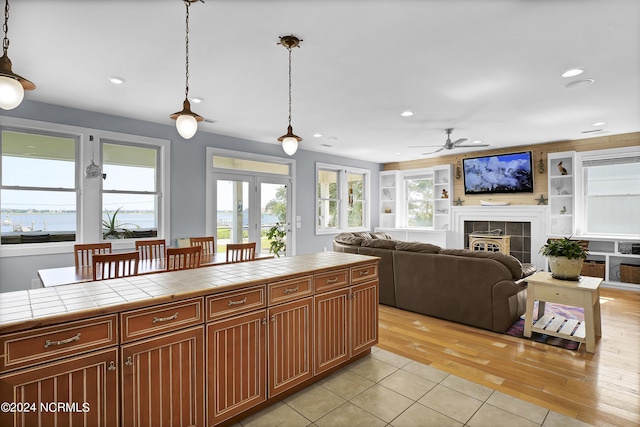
x: 536, y: 215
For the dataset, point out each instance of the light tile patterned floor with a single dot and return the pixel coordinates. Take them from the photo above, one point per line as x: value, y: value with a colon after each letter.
x: 388, y: 390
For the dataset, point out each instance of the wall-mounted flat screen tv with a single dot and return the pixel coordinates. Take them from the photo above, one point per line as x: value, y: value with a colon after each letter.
x: 504, y: 173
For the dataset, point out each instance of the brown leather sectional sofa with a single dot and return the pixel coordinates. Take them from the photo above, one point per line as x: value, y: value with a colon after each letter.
x: 481, y: 289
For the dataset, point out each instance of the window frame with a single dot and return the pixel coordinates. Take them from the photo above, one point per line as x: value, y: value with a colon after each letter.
x: 427, y: 173
x: 343, y: 198
x: 89, y: 191
x: 582, y: 158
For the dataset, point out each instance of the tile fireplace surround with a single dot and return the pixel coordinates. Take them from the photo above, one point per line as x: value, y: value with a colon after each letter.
x: 533, y: 217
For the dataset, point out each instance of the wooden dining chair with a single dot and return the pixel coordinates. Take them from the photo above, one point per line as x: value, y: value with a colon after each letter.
x: 208, y: 244
x: 183, y: 258
x: 240, y: 252
x: 110, y: 266
x: 83, y: 252
x: 151, y: 249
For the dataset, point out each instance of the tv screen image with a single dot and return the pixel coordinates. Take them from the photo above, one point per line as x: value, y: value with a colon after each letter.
x: 504, y: 173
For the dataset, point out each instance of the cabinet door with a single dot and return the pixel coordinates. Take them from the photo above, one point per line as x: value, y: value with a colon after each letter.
x: 163, y: 380
x: 331, y: 327
x: 236, y: 365
x: 289, y: 345
x: 80, y: 391
x: 364, y: 316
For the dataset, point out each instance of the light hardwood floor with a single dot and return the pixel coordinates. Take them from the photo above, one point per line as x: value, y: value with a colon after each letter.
x: 601, y: 389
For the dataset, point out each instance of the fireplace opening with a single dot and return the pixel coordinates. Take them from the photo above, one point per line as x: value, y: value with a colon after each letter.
x: 520, y: 233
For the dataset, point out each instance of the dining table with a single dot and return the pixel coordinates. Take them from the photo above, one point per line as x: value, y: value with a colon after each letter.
x: 58, y: 276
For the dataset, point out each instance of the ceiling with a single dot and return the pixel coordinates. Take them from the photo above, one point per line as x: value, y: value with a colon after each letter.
x: 490, y: 69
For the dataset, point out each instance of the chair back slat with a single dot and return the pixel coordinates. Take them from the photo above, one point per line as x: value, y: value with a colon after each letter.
x: 111, y: 266
x: 241, y: 252
x: 208, y: 244
x: 151, y: 249
x: 183, y: 258
x: 83, y: 252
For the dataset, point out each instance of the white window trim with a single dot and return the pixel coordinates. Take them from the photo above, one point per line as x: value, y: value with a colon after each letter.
x: 211, y: 187
x: 580, y: 202
x: 89, y: 205
x: 409, y: 173
x: 343, y: 196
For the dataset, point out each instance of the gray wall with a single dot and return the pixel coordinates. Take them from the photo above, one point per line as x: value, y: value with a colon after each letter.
x: 187, y: 164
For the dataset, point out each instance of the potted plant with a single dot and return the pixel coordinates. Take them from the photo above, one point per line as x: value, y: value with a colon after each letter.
x: 276, y: 236
x: 565, y: 257
x: 112, y: 229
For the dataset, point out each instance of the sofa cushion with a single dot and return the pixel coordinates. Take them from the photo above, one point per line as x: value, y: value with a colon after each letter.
x: 528, y: 269
x: 379, y: 243
x: 426, y: 248
x: 363, y: 234
x: 348, y: 239
x: 512, y: 263
x: 381, y: 235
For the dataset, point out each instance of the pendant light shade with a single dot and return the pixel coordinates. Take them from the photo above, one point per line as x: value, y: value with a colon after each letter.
x: 12, y: 86
x: 290, y: 140
x: 186, y: 120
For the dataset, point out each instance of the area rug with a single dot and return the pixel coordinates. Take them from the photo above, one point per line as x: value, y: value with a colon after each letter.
x: 517, y: 329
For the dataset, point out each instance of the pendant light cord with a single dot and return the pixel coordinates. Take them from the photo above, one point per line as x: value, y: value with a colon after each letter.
x: 186, y: 50
x: 5, y: 28
x: 289, y: 49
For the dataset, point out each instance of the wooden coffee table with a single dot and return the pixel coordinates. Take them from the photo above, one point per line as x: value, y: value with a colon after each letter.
x: 583, y: 293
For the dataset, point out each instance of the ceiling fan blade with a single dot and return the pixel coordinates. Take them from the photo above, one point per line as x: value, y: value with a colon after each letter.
x: 472, y: 146
x: 423, y: 146
x: 459, y: 141
x: 433, y: 152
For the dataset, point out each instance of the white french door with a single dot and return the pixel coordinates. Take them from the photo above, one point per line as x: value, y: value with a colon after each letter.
x: 246, y: 206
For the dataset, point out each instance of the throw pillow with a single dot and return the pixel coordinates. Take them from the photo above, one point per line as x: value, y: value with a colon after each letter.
x: 379, y: 243
x: 425, y: 248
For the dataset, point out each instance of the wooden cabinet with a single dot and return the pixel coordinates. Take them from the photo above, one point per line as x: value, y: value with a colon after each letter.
x: 290, y: 352
x: 237, y: 365
x: 163, y: 380
x: 76, y: 391
x: 345, y: 320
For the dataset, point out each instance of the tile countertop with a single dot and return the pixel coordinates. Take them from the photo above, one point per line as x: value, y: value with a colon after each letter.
x: 21, y: 310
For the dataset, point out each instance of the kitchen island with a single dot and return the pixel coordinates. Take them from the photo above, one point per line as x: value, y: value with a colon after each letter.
x: 199, y: 347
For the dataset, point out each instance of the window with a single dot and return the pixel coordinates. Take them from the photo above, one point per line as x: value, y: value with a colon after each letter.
x: 342, y: 196
x: 418, y: 200
x: 130, y: 196
x: 47, y: 203
x: 38, y: 187
x: 612, y: 194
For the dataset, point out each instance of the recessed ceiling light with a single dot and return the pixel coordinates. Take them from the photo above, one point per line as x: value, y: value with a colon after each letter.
x: 406, y: 113
x: 599, y: 124
x: 116, y: 80
x: 396, y: 153
x: 579, y: 83
x: 327, y: 145
x: 572, y: 72
x: 197, y: 100
x: 477, y: 141
x: 317, y: 135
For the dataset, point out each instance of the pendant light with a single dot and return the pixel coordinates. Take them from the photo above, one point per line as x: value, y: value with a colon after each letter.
x: 290, y: 140
x: 12, y: 86
x: 186, y: 120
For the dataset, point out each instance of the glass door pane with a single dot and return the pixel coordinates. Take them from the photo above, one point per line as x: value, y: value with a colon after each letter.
x: 233, y: 213
x: 274, y: 202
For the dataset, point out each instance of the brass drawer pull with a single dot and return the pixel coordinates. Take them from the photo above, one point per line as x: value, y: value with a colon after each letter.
x: 164, y: 319
x: 242, y: 301
x: 289, y: 291
x: 129, y: 361
x: 364, y: 273
x: 112, y: 366
x: 49, y: 343
x: 334, y: 280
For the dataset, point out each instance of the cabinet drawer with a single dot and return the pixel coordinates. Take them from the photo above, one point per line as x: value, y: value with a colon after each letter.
x: 146, y: 322
x: 365, y: 272
x: 235, y: 302
x: 288, y: 290
x: 53, y: 342
x: 332, y: 280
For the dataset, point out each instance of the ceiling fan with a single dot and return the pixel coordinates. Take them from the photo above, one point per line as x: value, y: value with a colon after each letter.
x: 450, y: 145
